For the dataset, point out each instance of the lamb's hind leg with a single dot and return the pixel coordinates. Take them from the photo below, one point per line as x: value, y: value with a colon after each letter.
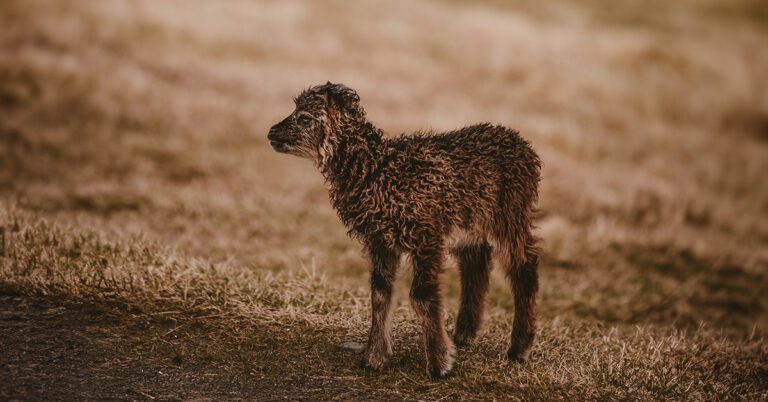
x: 383, y: 272
x: 523, y: 275
x: 474, y: 267
x: 427, y: 303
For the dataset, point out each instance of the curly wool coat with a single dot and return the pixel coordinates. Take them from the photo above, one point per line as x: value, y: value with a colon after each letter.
x: 463, y: 191
x: 414, y: 191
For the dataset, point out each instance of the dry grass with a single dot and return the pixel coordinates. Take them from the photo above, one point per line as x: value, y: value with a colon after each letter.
x: 133, y: 168
x: 280, y: 328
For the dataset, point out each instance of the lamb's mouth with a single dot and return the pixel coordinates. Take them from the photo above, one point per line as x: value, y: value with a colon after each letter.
x: 279, y: 146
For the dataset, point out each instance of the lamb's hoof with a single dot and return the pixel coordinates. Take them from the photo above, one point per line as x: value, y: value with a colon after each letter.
x: 440, y: 367
x: 370, y: 361
x: 462, y: 339
x: 440, y: 374
x: 517, y: 356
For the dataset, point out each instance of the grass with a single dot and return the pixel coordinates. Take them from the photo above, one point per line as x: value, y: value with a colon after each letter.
x: 283, y: 328
x: 135, y: 175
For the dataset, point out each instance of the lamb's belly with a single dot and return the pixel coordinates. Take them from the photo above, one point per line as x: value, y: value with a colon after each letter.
x: 461, y: 237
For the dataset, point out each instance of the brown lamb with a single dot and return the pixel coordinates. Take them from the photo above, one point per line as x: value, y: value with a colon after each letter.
x: 464, y: 191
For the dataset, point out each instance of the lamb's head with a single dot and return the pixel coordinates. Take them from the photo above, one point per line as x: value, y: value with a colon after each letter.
x: 323, y: 114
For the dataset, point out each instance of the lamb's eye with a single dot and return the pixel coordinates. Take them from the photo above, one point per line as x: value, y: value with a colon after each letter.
x: 304, y: 120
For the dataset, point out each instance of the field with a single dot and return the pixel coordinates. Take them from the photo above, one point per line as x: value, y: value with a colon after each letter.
x: 155, y: 247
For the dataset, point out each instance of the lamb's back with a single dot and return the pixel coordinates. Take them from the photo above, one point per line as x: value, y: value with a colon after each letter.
x: 490, y: 151
x: 457, y: 176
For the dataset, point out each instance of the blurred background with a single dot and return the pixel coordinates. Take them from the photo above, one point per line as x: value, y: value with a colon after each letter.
x: 146, y: 119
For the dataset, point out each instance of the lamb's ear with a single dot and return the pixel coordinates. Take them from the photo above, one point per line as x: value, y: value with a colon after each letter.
x: 333, y: 107
x: 344, y: 101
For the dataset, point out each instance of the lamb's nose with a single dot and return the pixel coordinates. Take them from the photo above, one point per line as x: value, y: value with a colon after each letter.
x: 271, y: 135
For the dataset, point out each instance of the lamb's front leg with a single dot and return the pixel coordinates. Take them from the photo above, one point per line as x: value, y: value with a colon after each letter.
x: 427, y: 302
x: 384, y: 269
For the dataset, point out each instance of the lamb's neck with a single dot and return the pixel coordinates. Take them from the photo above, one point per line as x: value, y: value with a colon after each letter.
x: 355, y: 158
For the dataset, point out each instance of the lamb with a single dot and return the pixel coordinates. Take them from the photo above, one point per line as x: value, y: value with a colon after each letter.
x: 465, y: 192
